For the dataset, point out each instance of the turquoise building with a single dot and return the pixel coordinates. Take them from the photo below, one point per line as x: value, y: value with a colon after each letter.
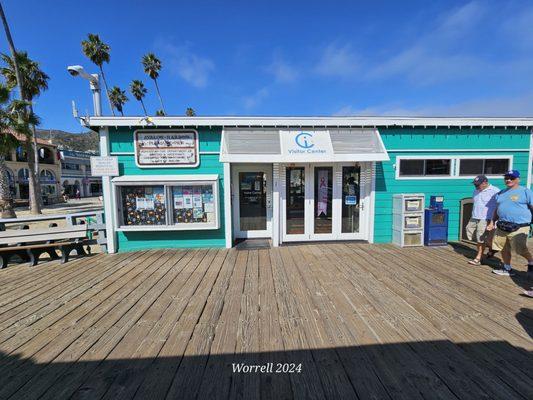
x: 212, y: 181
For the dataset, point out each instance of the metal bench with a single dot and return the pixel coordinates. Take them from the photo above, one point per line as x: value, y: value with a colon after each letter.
x: 30, y: 244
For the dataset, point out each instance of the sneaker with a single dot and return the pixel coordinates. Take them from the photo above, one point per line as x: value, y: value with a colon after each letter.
x: 528, y: 293
x: 503, y: 272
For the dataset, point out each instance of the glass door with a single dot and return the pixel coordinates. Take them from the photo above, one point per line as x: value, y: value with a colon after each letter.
x: 252, y: 201
x: 322, y: 203
x: 352, y: 202
x: 295, y: 226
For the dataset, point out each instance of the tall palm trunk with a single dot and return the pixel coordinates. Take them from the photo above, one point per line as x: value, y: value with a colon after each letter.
x: 106, y: 90
x: 159, y: 95
x: 33, y: 181
x: 6, y: 197
x: 144, y: 108
x: 36, y: 162
x: 13, y: 51
x: 35, y: 202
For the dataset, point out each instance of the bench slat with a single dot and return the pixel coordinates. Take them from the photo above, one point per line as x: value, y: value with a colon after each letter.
x: 44, y: 231
x: 43, y: 237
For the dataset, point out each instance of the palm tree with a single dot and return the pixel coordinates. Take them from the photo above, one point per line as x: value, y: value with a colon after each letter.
x: 98, y: 52
x: 138, y: 91
x: 190, y: 112
x: 152, y: 66
x: 8, y: 142
x: 118, y: 98
x: 34, y: 80
x: 35, y: 188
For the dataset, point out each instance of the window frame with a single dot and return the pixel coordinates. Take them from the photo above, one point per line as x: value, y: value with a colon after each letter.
x: 167, y: 183
x: 484, y: 158
x: 454, y: 167
x: 426, y: 177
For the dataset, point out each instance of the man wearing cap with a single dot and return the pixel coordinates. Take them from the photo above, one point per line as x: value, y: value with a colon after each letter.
x: 513, y: 218
x: 484, y: 197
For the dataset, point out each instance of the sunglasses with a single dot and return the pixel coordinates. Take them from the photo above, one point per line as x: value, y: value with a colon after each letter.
x: 508, y: 178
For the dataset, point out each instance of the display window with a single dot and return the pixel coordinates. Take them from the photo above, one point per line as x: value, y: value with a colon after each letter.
x: 143, y: 205
x: 187, y: 205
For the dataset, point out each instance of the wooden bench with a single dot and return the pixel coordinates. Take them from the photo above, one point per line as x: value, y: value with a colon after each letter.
x: 30, y: 244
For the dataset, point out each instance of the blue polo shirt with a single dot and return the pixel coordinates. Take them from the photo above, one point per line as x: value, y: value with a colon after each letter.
x: 513, y: 205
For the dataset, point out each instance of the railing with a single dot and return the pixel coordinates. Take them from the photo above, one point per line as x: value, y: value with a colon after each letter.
x: 94, y: 219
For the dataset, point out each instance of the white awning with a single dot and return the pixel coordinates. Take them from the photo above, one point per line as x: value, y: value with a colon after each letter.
x: 292, y: 146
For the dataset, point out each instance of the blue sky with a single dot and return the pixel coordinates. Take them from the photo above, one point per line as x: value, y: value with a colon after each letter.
x: 290, y: 57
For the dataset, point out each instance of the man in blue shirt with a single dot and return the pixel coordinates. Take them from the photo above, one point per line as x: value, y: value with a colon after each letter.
x: 513, y: 215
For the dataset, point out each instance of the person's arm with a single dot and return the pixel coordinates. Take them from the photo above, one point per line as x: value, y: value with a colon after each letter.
x: 494, y: 216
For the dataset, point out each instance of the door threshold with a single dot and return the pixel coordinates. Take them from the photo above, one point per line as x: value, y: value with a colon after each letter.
x: 296, y: 243
x: 252, y: 244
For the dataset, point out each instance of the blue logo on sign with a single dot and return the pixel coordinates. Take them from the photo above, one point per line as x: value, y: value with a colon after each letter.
x: 304, y: 140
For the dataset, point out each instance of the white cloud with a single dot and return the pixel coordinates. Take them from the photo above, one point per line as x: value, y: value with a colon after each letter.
x: 256, y: 98
x: 337, y: 61
x: 282, y: 71
x: 183, y: 62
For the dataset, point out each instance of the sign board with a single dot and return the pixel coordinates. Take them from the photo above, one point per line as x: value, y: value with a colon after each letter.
x: 166, y: 148
x: 104, y: 166
x: 350, y: 200
x: 304, y: 146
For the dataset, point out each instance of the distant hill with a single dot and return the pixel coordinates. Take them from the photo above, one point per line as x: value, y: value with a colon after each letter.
x: 86, y: 141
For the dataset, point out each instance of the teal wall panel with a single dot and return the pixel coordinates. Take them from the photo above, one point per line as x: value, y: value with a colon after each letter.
x: 444, y: 142
x: 121, y: 141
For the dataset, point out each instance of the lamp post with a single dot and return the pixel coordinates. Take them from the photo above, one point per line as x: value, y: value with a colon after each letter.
x: 94, y: 84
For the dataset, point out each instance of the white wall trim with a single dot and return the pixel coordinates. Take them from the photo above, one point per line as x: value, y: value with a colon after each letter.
x: 276, y: 213
x: 452, y: 150
x: 530, y: 159
x: 227, y: 206
x: 108, y: 194
x: 309, y: 121
x: 372, y: 205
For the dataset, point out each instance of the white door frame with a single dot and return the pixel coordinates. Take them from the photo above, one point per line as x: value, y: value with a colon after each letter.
x: 267, y: 170
x: 308, y: 235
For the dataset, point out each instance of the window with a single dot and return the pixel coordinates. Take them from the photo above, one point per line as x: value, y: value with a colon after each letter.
x: 193, y: 204
x: 70, y: 166
x: 22, y: 156
x: 143, y: 205
x: 171, y: 205
x: 482, y: 166
x: 424, y: 167
x: 47, y: 176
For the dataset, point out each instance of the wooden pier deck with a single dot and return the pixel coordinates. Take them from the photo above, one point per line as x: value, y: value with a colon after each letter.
x: 351, y: 321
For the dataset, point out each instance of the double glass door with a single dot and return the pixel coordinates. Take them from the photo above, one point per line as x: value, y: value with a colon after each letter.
x: 323, y: 202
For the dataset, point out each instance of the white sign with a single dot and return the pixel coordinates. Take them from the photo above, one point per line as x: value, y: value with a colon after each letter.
x: 166, y: 148
x: 104, y: 166
x: 306, y: 145
x: 144, y: 203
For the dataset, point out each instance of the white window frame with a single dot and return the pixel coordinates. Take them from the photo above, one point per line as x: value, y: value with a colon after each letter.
x: 417, y: 177
x: 491, y: 157
x: 167, y: 182
x: 454, y: 167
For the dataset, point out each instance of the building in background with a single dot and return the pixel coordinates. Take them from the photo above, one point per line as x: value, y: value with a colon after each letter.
x: 49, y: 171
x: 76, y: 174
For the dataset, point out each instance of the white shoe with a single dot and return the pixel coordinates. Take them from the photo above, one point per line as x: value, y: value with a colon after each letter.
x: 503, y: 272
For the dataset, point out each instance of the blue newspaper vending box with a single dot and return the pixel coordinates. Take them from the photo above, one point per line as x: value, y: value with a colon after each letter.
x: 436, y: 223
